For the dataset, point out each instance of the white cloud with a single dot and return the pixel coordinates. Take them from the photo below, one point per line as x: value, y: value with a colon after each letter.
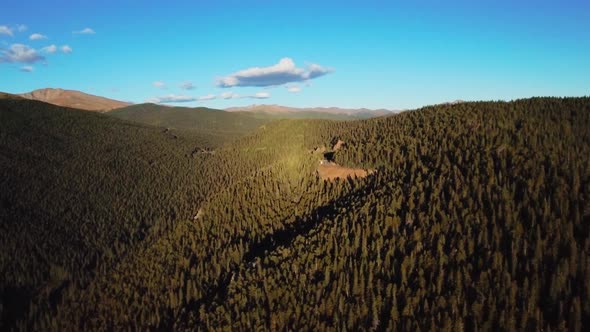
x: 232, y: 95
x: 261, y: 95
x: 187, y: 86
x: 4, y: 30
x: 37, y: 36
x: 27, y: 69
x: 85, y: 31
x: 21, y: 27
x: 159, y: 84
x: 207, y: 97
x: 171, y: 99
x: 49, y: 49
x: 20, y: 53
x: 66, y: 49
x: 281, y: 73
x: 293, y: 88
x: 229, y: 95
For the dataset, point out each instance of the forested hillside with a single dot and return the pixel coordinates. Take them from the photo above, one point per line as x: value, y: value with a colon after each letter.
x: 476, y: 217
x: 221, y: 126
x: 80, y: 189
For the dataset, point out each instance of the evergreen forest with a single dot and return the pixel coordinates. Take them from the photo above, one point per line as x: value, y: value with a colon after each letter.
x: 473, y: 216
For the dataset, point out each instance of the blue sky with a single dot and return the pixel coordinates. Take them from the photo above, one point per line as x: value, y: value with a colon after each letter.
x: 374, y: 54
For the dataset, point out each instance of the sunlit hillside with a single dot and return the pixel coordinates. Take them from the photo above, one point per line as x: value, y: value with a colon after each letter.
x: 109, y: 224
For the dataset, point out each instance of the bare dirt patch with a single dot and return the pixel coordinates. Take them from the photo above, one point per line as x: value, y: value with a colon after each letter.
x: 332, y: 171
x: 339, y: 144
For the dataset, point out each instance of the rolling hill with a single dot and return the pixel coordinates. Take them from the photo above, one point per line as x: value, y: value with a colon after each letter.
x: 474, y: 216
x: 74, y: 99
x: 221, y: 126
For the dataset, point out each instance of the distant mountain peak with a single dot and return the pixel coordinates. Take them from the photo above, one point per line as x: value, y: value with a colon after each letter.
x: 273, y: 109
x: 74, y: 99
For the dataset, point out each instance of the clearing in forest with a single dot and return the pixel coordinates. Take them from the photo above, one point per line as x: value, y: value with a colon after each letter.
x: 331, y: 171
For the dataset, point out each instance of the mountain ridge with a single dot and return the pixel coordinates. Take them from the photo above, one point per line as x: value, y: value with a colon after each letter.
x: 223, y: 125
x: 89, y: 102
x: 74, y: 99
x: 277, y: 109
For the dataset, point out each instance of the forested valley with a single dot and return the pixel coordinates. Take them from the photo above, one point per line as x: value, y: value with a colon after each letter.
x: 473, y: 216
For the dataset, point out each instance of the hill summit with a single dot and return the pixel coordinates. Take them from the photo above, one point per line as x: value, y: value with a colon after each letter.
x: 74, y: 99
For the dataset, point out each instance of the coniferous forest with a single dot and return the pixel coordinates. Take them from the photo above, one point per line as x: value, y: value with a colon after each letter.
x: 473, y: 216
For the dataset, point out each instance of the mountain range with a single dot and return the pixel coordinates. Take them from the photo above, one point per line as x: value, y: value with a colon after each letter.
x: 360, y: 113
x: 89, y: 102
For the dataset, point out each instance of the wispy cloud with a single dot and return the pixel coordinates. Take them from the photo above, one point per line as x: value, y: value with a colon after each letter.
x: 159, y: 84
x: 37, y: 36
x: 4, y: 30
x: 187, y: 86
x: 66, y: 49
x: 9, y: 31
x: 27, y: 69
x: 85, y: 31
x: 231, y: 95
x: 293, y: 88
x: 171, y: 99
x: 20, y: 53
x: 281, y: 73
x: 207, y: 97
x: 49, y: 49
x: 261, y: 95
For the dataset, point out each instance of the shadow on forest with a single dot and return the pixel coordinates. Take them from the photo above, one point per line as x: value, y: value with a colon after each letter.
x: 280, y: 238
x: 15, y: 301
